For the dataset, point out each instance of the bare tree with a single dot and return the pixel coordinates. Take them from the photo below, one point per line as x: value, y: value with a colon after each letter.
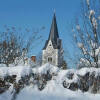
x: 87, y: 33
x: 16, y: 43
x: 39, y: 59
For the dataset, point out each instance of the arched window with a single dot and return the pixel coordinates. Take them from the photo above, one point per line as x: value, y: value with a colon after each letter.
x: 49, y: 59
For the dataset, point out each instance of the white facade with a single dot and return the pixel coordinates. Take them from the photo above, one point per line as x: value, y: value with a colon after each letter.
x: 56, y: 55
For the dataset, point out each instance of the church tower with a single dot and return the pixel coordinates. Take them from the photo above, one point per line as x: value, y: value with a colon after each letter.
x: 52, y: 52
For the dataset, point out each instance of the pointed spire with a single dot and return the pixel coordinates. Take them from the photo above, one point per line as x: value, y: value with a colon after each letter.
x: 54, y: 30
x: 54, y: 36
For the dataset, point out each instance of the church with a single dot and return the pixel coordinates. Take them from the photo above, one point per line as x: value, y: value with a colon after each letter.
x: 53, y: 52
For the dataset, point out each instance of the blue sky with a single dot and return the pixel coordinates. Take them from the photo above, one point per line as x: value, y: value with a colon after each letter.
x: 38, y: 13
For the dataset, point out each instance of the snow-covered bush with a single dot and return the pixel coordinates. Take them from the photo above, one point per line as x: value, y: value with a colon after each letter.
x: 21, y: 76
x: 17, y: 78
x: 84, y: 79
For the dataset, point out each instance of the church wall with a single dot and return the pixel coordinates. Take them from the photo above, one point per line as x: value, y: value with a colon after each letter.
x: 50, y: 52
x: 54, y: 56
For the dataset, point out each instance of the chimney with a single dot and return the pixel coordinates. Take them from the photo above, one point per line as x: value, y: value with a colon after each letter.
x: 33, y: 58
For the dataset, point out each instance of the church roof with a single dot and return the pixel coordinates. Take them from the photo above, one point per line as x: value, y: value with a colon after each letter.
x: 54, y: 36
x: 54, y: 30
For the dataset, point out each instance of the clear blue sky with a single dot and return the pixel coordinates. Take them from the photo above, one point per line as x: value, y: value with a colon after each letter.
x: 38, y: 13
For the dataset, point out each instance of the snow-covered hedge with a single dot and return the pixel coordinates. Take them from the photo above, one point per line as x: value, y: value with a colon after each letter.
x: 85, y: 79
x: 19, y: 71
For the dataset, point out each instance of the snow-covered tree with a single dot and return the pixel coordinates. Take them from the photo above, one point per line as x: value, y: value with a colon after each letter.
x: 39, y: 59
x: 87, y: 33
x: 14, y: 45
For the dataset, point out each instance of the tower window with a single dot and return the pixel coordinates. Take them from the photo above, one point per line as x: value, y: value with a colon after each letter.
x: 50, y: 59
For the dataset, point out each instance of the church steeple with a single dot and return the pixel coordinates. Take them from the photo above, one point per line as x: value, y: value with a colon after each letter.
x: 52, y: 51
x: 53, y: 35
x: 54, y: 30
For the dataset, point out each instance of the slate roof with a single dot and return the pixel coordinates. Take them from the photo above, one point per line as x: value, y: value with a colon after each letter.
x: 54, y: 36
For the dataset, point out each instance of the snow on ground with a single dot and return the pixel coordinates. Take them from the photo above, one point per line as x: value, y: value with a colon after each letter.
x: 54, y: 89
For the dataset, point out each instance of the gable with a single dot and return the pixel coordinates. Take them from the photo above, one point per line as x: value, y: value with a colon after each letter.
x: 49, y: 45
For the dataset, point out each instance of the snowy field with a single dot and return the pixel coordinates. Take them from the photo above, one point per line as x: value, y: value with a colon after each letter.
x: 54, y: 89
